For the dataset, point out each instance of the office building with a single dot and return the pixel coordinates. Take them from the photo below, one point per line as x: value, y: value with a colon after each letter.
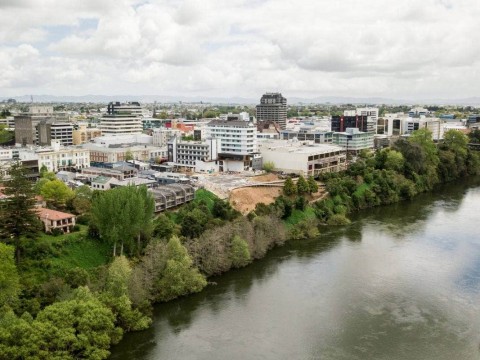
x: 272, y: 109
x: 121, y: 119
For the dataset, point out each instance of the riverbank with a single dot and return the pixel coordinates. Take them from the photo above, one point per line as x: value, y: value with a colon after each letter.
x: 399, y: 283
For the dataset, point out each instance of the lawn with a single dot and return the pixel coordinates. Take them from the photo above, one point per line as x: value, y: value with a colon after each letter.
x: 205, y: 195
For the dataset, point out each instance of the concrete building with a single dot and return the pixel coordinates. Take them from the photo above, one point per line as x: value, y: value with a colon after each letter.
x: 187, y: 153
x: 307, y: 134
x: 238, y: 144
x: 126, y: 139
x: 170, y: 196
x: 353, y: 140
x: 119, y: 173
x: 162, y: 136
x: 303, y: 158
x: 58, y: 158
x: 272, y: 108
x: 122, y: 118
x: 362, y: 122
x: 84, y: 134
x: 371, y: 113
x: 61, y: 132
x: 122, y: 152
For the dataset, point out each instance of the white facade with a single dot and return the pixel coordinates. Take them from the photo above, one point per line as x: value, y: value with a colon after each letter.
x: 237, y: 137
x: 59, y: 158
x: 106, y: 141
x: 120, y: 125
x: 161, y: 136
x: 353, y: 139
x: 303, y: 158
x: 187, y: 153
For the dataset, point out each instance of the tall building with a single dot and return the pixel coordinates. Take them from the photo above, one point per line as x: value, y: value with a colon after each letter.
x: 122, y: 118
x: 272, y: 108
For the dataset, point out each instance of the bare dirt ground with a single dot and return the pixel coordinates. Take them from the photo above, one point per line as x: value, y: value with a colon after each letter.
x: 264, y: 178
x: 245, y: 199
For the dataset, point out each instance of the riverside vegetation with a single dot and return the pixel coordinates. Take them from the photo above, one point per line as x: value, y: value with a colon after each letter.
x: 72, y: 296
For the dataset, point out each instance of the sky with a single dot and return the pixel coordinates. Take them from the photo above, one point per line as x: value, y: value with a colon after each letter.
x: 241, y: 48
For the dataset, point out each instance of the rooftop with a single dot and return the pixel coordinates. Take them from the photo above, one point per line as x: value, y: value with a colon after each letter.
x: 49, y: 214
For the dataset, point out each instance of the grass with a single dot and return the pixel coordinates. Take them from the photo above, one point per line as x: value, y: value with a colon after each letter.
x: 299, y: 215
x: 205, y: 195
x: 85, y: 254
x: 50, y: 255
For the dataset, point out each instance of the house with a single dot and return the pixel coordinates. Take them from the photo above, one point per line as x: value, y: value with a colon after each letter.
x: 54, y: 219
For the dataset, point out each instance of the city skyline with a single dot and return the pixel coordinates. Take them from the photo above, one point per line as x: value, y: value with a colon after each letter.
x: 241, y: 49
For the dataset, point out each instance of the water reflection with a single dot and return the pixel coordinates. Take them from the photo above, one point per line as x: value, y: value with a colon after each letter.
x: 401, y: 282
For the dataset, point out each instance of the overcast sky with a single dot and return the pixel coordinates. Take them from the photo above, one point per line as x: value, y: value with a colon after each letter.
x: 398, y: 49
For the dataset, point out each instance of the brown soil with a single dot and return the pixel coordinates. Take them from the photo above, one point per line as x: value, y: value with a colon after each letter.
x: 245, y: 199
x: 264, y: 178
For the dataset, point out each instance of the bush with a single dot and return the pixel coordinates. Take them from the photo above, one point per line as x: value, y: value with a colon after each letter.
x: 338, y: 219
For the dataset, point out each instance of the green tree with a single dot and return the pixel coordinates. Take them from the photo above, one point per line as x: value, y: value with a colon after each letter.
x: 129, y: 155
x: 17, y: 211
x: 9, y: 280
x: 82, y: 201
x: 456, y: 141
x: 394, y: 161
x: 312, y: 185
x: 6, y: 136
x: 289, y: 188
x: 179, y: 277
x: 302, y: 186
x: 57, y: 193
x: 239, y: 252
x: 122, y: 215
x: 164, y: 227
x: 79, y: 328
x: 268, y: 166
x: 193, y: 222
x: 423, y: 137
x: 118, y: 275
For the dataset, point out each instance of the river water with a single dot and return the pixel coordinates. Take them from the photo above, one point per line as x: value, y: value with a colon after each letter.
x: 401, y: 282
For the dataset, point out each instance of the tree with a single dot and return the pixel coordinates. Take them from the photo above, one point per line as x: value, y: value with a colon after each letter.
x: 6, y: 136
x: 302, y: 186
x: 268, y: 166
x: 82, y: 202
x: 394, y: 161
x: 164, y: 227
x: 179, y: 277
x: 456, y: 141
x: 122, y: 215
x: 56, y: 192
x: 128, y: 155
x: 79, y: 328
x: 312, y: 185
x: 239, y: 252
x: 423, y: 137
x: 17, y: 211
x: 193, y: 222
x: 9, y: 280
x: 289, y: 188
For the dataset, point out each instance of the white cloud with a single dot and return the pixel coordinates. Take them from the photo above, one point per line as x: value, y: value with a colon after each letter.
x: 241, y: 48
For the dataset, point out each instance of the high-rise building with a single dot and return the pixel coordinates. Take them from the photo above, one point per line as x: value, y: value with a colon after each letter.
x: 341, y: 123
x: 122, y: 118
x: 272, y: 109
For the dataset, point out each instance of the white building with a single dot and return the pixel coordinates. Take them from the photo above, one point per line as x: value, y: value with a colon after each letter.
x: 237, y: 137
x: 303, y: 158
x: 58, y: 158
x: 353, y: 140
x: 161, y: 136
x: 121, y: 152
x: 122, y: 119
x: 109, y: 140
x: 188, y: 153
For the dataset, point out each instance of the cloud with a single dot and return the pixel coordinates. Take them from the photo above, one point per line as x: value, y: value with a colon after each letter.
x: 241, y: 47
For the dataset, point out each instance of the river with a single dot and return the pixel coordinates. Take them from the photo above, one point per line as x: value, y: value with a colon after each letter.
x: 401, y: 282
